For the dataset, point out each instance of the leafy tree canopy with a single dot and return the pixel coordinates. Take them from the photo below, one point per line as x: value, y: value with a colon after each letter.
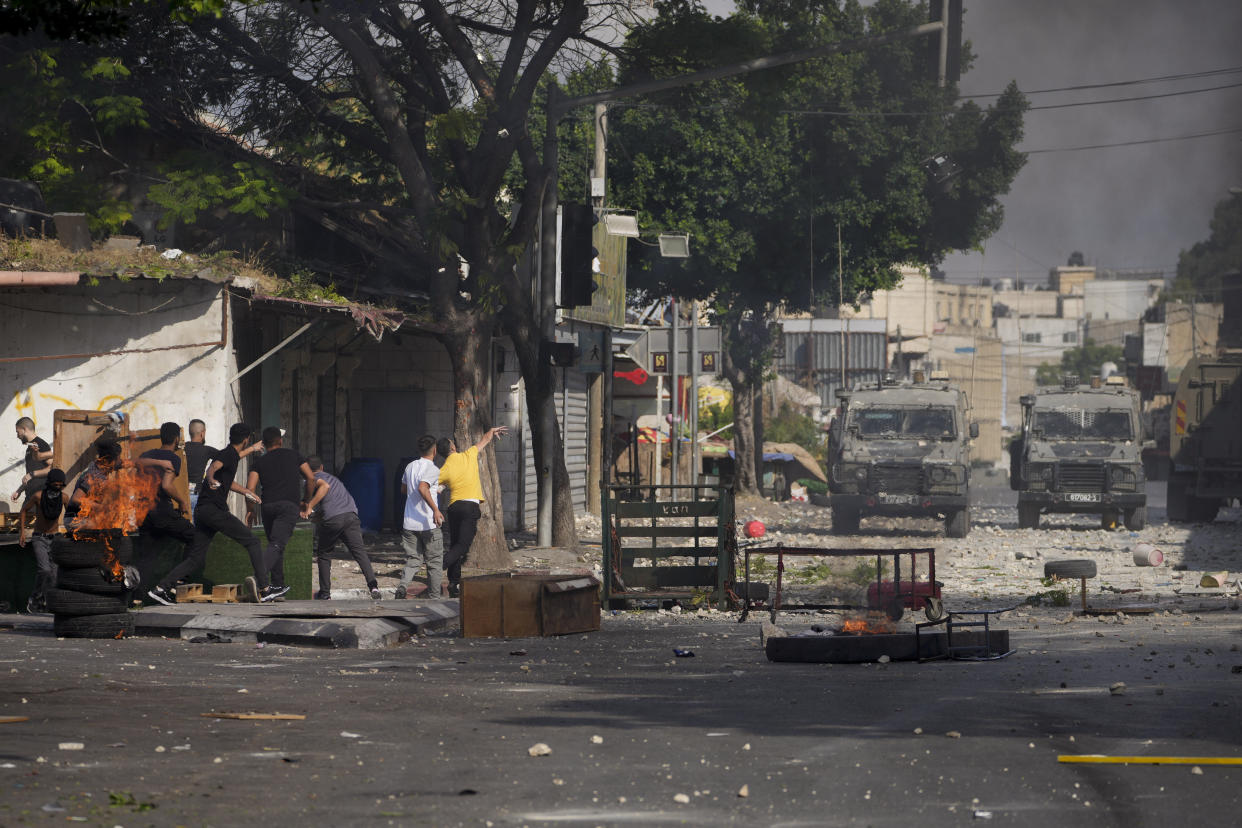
x: 1083, y: 362
x: 1199, y: 269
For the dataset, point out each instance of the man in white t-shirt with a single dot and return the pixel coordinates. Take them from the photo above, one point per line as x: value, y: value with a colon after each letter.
x: 420, y: 531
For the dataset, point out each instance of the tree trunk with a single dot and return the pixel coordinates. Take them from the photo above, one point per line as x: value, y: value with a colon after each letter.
x: 746, y: 474
x: 540, y: 403
x: 468, y: 341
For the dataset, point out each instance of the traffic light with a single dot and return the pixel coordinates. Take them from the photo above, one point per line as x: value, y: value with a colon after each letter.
x: 578, y: 255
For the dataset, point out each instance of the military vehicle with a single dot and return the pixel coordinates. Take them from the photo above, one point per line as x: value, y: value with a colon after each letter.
x: 901, y: 449
x: 1081, y: 451
x: 1205, y: 438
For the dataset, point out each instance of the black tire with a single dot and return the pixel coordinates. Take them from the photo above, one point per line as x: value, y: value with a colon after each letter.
x: 957, y: 524
x: 1072, y: 568
x: 1028, y: 515
x: 120, y: 625
x: 845, y: 521
x: 89, y: 580
x: 64, y: 602
x: 80, y: 554
x: 1136, y: 518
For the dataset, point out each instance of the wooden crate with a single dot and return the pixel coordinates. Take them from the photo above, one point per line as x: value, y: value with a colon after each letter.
x: 220, y: 594
x: 517, y: 605
x: 73, y: 440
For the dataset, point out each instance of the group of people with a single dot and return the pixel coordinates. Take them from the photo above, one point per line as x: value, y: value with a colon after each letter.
x: 281, y: 488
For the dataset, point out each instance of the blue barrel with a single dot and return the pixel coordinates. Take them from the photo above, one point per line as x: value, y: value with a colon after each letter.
x: 364, y: 478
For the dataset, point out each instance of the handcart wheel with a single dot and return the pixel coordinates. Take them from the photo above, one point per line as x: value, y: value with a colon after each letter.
x: 895, y: 609
x: 933, y: 609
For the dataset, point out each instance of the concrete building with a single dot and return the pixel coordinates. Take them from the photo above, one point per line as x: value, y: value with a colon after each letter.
x: 1069, y: 280
x: 1125, y: 299
x: 1025, y: 302
x: 974, y: 362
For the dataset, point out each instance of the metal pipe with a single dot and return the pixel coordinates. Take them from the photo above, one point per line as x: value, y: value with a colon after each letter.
x: 38, y: 278
x: 674, y: 428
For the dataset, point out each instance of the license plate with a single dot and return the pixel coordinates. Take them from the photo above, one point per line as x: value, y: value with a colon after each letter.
x: 1088, y: 497
x: 896, y: 498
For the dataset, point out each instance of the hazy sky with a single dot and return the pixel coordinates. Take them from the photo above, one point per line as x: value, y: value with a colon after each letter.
x: 1128, y: 206
x: 1123, y: 207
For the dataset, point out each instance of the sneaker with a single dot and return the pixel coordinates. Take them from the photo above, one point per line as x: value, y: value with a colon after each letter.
x: 34, y: 605
x: 400, y: 592
x: 454, y: 590
x: 375, y: 593
x: 250, y: 590
x: 273, y: 592
x: 323, y: 595
x: 161, y: 595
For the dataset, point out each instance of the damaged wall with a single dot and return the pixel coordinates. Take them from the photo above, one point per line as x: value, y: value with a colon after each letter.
x: 92, y: 323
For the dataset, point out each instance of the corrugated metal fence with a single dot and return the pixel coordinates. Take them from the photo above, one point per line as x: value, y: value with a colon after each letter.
x: 813, y: 354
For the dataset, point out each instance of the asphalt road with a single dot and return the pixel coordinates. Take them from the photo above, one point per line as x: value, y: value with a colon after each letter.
x: 437, y: 732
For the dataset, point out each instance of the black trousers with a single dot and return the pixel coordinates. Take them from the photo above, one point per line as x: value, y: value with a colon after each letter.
x: 279, y: 518
x: 347, y: 527
x: 208, y: 520
x: 165, y: 521
x: 463, y: 522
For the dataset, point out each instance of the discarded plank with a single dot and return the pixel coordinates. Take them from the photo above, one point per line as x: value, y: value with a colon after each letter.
x: 13, y: 719
x: 1098, y: 759
x: 220, y: 594
x: 265, y: 717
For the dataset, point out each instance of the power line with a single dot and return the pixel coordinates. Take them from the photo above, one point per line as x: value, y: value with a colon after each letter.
x: 1134, y: 143
x: 1157, y: 79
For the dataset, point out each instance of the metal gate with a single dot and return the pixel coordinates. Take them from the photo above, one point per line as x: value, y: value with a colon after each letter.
x: 685, y: 547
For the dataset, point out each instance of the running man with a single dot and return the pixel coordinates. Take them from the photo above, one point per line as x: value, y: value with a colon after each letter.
x: 338, y: 520
x: 278, y: 474
x: 421, y: 537
x: 38, y: 459
x: 47, y: 504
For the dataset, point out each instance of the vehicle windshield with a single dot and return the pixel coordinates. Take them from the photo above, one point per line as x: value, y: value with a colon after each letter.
x: 928, y: 423
x: 1066, y: 423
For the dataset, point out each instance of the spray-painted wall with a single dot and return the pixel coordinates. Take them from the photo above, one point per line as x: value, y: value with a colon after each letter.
x: 181, y: 373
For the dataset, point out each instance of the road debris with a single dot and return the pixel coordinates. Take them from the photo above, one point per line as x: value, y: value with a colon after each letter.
x: 539, y: 749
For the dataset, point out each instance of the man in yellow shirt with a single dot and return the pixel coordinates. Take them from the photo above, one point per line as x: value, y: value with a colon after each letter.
x: 460, y: 475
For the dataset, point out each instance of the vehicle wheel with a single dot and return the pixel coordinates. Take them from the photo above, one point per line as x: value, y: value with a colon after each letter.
x: 119, y: 625
x: 1108, y: 520
x: 1177, y: 498
x: 80, y: 554
x: 91, y: 581
x: 845, y: 521
x: 1136, y: 518
x: 933, y: 609
x: 1071, y: 568
x: 957, y: 524
x: 67, y: 602
x: 1028, y: 515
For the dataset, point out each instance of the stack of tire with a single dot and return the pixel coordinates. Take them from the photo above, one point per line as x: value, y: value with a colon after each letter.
x: 86, y: 603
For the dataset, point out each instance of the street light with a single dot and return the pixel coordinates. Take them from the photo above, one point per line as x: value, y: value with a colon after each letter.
x: 675, y: 245
x: 620, y: 224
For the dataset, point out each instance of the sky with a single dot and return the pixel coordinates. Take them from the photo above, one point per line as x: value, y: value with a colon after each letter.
x: 1122, y: 207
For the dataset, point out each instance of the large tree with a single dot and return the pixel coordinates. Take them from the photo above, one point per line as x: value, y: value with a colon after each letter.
x: 410, y: 131
x: 766, y: 171
x: 1199, y: 269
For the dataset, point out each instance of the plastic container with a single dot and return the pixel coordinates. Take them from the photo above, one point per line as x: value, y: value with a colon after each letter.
x: 364, y: 478
x: 1147, y: 555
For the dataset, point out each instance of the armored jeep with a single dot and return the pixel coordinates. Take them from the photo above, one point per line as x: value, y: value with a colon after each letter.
x: 901, y: 449
x: 1080, y: 451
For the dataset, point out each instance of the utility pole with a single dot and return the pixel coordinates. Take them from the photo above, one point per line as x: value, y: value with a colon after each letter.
x: 674, y: 429
x: 600, y: 420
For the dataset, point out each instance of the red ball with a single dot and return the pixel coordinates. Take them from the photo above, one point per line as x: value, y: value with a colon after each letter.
x: 754, y: 529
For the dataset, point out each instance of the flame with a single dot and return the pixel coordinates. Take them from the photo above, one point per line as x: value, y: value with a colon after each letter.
x: 873, y: 624
x: 116, y: 504
x: 120, y: 501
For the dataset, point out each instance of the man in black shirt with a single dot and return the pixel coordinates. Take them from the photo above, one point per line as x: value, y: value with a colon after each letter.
x: 38, y: 459
x: 212, y: 515
x: 197, y: 455
x: 107, y: 460
x: 167, y: 517
x: 279, y: 473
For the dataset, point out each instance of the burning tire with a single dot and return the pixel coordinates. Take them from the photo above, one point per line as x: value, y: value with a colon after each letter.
x: 91, y: 581
x: 64, y: 602
x: 80, y: 554
x: 117, y: 625
x: 1074, y: 568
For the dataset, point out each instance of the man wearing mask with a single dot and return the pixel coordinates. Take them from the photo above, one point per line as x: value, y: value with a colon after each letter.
x: 47, y: 504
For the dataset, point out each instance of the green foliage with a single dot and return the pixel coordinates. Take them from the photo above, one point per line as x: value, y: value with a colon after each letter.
x: 813, y: 486
x: 1084, y: 362
x: 792, y: 426
x: 303, y: 285
x: 1057, y: 593
x: 1199, y: 269
x: 715, y: 416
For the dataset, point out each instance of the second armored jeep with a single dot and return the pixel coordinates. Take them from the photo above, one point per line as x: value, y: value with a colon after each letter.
x: 1080, y: 451
x: 901, y: 449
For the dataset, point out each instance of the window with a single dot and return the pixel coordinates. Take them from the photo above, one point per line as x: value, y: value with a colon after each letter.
x: 1070, y: 337
x: 1031, y: 337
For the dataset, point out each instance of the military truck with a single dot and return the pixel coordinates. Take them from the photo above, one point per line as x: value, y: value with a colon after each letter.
x: 1205, y: 438
x: 901, y: 449
x: 1081, y: 451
